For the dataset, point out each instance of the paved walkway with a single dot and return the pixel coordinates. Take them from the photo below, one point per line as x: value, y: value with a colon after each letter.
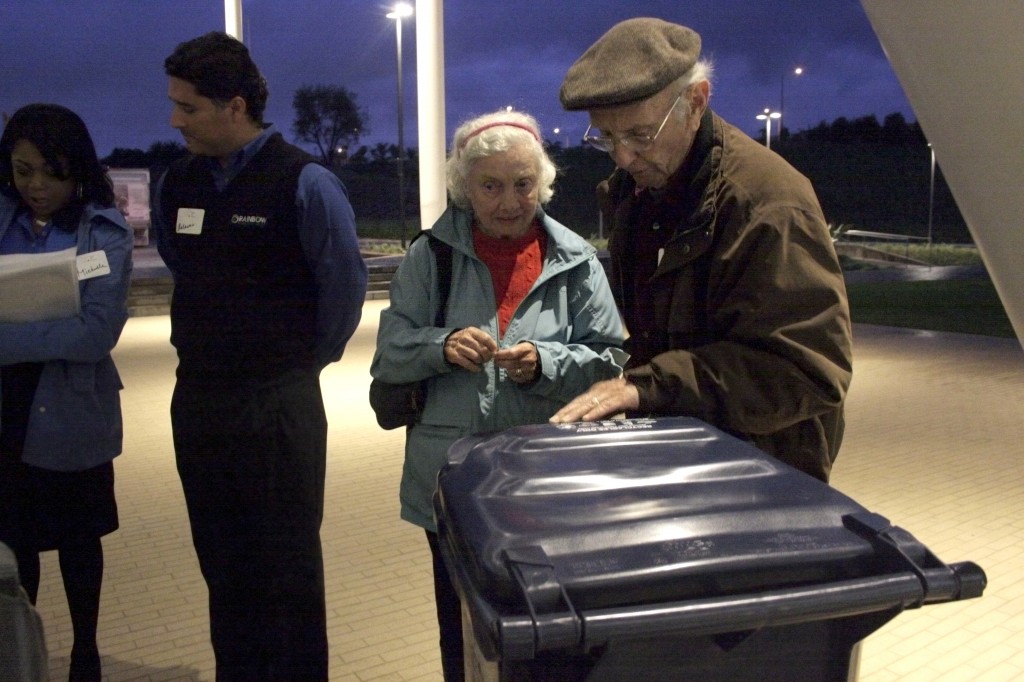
x: 935, y: 441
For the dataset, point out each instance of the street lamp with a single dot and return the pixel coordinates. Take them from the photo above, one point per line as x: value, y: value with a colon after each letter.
x: 782, y: 94
x: 400, y: 11
x: 767, y: 117
x: 931, y: 194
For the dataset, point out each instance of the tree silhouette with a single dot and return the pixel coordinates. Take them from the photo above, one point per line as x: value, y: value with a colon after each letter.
x: 894, y: 131
x: 329, y: 118
x: 157, y: 157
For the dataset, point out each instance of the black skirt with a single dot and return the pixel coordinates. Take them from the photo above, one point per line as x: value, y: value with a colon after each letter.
x: 41, y: 509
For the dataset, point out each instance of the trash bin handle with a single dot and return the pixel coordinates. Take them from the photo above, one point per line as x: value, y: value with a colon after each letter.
x: 519, y: 640
x: 718, y: 615
x: 940, y: 582
x: 555, y: 622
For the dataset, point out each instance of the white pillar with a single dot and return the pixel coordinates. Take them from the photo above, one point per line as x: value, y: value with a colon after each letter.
x: 233, y: 18
x: 430, y: 109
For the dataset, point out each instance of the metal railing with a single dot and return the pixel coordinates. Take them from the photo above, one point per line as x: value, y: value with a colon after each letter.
x: 868, y: 235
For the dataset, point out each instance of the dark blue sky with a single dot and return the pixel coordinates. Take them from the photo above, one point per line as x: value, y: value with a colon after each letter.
x: 104, y: 58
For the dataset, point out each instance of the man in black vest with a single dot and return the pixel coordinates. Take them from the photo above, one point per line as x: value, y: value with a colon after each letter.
x: 268, y: 288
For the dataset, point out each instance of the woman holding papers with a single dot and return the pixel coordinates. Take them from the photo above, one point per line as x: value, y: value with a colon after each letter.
x: 60, y: 411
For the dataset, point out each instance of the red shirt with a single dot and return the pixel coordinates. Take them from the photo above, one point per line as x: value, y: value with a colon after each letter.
x: 515, y: 264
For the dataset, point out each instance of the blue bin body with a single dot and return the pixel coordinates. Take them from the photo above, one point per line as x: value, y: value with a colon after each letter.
x: 665, y: 549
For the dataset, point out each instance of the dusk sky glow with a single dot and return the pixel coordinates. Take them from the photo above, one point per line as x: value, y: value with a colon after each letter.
x: 104, y: 59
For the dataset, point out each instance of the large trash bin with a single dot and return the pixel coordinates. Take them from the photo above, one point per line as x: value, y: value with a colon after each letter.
x: 22, y: 648
x: 667, y: 550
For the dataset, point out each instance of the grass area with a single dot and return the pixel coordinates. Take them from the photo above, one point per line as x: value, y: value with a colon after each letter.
x: 371, y: 228
x: 383, y: 237
x: 968, y: 306
x: 383, y: 248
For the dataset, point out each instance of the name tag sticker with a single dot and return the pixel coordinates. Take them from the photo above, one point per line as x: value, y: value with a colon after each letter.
x: 190, y: 221
x: 92, y: 265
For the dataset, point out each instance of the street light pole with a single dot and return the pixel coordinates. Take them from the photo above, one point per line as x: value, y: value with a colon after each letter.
x: 782, y: 95
x: 931, y: 194
x: 401, y: 10
x: 767, y: 117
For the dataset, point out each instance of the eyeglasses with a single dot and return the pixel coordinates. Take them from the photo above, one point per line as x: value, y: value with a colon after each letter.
x: 637, y: 142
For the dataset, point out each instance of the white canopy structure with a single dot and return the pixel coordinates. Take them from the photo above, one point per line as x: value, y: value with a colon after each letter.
x: 961, y: 65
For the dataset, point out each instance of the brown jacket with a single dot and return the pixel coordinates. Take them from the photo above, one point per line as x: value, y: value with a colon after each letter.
x: 750, y: 304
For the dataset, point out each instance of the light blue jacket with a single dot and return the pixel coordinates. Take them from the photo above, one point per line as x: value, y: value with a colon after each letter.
x: 569, y: 315
x: 75, y: 422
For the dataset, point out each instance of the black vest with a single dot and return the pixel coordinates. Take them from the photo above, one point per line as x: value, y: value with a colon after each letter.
x: 244, y: 305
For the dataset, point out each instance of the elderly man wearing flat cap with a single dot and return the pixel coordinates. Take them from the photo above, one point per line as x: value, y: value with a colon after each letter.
x: 721, y: 261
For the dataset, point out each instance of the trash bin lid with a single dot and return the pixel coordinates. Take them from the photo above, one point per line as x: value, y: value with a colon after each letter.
x: 642, y: 510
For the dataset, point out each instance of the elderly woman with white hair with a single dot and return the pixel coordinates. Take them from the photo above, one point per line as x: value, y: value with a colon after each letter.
x: 530, y: 321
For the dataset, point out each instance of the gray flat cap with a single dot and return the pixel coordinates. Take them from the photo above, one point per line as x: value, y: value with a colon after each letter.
x: 635, y: 59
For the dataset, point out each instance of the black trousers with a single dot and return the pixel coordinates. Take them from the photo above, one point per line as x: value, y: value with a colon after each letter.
x: 449, y: 616
x: 252, y: 463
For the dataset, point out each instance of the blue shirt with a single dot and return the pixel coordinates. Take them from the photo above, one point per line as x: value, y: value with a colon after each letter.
x: 327, y: 232
x: 75, y: 421
x: 21, y: 238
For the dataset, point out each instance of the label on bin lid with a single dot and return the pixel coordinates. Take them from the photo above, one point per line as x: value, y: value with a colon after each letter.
x: 609, y: 425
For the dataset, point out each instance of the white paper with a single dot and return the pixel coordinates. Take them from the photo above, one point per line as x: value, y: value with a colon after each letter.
x: 39, y: 286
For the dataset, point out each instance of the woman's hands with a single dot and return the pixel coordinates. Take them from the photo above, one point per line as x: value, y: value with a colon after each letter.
x: 521, y: 362
x: 471, y: 348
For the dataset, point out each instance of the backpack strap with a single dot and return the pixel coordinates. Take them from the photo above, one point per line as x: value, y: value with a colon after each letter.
x: 443, y: 259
